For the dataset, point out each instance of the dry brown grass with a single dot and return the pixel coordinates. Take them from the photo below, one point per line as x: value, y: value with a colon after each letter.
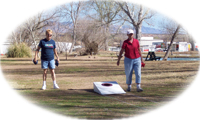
x: 162, y: 82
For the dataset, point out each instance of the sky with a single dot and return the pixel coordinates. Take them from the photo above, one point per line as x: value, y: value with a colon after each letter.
x: 14, y: 106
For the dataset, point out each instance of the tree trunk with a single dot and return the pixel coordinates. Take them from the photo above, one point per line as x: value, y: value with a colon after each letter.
x: 193, y: 46
x: 192, y: 43
x: 106, y: 44
x: 74, y: 40
x: 66, y: 55
x: 106, y: 38
x: 138, y: 33
x: 169, y: 48
x: 140, y: 23
x: 32, y: 35
x: 20, y: 37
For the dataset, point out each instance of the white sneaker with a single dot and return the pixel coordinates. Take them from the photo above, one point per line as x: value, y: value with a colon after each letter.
x: 55, y: 86
x: 44, y: 87
x: 139, y: 89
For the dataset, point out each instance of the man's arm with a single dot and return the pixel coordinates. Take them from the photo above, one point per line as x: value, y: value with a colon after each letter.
x: 55, y: 52
x: 36, y: 53
x: 120, y: 56
x: 140, y: 54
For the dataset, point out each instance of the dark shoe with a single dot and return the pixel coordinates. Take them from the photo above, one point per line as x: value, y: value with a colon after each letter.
x: 129, y: 89
x: 139, y: 89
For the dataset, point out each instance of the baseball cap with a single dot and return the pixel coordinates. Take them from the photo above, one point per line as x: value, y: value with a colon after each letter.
x: 130, y: 31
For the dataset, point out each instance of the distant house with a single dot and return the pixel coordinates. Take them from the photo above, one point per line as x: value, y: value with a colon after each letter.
x: 76, y: 47
x: 4, y: 48
x: 63, y: 46
x: 149, y: 41
x: 60, y: 46
x: 114, y: 49
x: 149, y: 44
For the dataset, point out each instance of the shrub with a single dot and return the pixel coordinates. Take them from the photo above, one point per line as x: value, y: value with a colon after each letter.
x: 19, y: 50
x: 91, y: 47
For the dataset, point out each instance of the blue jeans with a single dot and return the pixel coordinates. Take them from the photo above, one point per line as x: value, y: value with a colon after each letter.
x: 48, y: 64
x: 130, y: 65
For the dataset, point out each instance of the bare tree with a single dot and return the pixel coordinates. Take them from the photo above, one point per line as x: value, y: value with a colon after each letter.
x: 173, y: 29
x: 89, y: 30
x: 105, y: 13
x: 36, y: 23
x: 19, y: 35
x: 61, y: 36
x: 71, y: 12
x: 31, y: 29
x: 136, y: 14
x: 14, y: 37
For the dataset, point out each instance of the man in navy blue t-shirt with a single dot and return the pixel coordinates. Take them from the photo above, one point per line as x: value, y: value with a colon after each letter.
x: 48, y: 47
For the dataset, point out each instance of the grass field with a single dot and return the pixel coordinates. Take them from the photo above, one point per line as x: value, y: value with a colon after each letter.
x: 161, y: 81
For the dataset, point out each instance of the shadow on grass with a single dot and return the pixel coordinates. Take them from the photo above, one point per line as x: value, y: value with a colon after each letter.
x: 23, y: 89
x: 85, y: 103
x: 82, y: 71
x: 16, y: 59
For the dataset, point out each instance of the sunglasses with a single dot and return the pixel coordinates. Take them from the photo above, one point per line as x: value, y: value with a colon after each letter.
x: 49, y: 35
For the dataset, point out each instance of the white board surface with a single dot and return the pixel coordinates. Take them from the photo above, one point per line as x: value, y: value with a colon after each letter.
x: 109, y: 87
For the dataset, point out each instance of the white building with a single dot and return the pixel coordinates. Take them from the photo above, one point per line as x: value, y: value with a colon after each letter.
x: 4, y: 47
x: 63, y: 46
x: 149, y: 41
x: 149, y: 44
x: 76, y: 47
x: 115, y: 49
x: 180, y: 46
x: 183, y: 46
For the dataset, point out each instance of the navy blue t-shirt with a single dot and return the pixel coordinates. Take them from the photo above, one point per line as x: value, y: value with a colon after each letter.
x: 47, y: 46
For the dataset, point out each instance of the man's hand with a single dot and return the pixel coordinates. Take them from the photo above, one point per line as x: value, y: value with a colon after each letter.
x: 35, y: 59
x: 118, y: 62
x: 58, y: 59
x: 142, y: 64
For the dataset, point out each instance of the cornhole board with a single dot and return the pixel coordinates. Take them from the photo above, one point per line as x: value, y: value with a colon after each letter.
x: 106, y: 88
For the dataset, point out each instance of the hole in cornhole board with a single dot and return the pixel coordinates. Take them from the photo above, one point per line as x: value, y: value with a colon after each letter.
x: 106, y: 84
x: 108, y: 87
